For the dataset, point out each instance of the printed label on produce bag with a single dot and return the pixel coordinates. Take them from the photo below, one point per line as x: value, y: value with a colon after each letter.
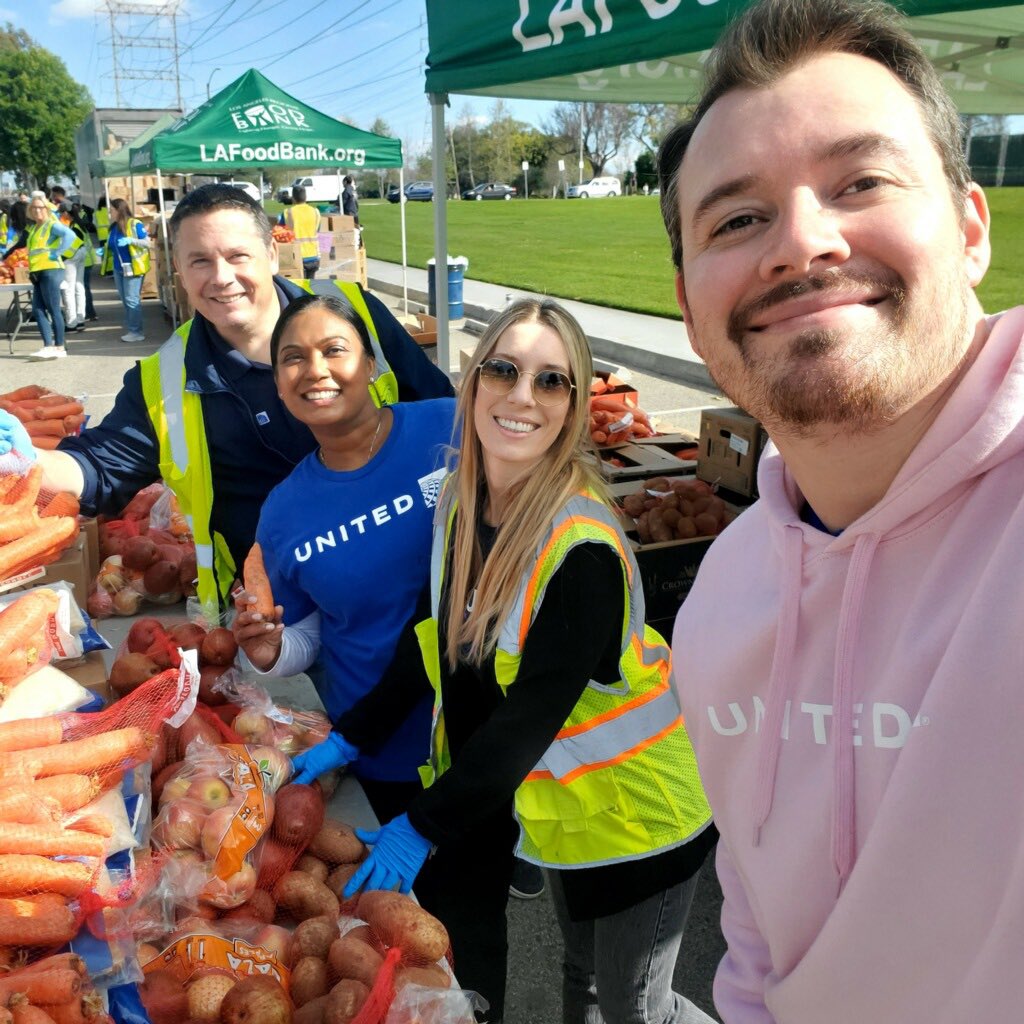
x: 192, y: 953
x: 188, y: 689
x: 249, y: 821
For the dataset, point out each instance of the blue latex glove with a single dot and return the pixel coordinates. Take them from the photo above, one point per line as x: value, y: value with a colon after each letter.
x: 396, y: 858
x: 14, y: 435
x: 123, y: 241
x: 334, y: 752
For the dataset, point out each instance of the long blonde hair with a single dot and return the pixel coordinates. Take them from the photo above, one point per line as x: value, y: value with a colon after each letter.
x: 567, y: 467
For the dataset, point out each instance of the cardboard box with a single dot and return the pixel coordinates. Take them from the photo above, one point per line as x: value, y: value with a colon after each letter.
x: 731, y: 442
x: 21, y: 275
x: 425, y: 331
x: 89, y: 671
x: 72, y: 567
x: 346, y: 239
x: 150, y: 287
x: 352, y: 268
x: 90, y: 529
x: 181, y: 299
x: 667, y: 568
x: 465, y: 355
x: 631, y: 461
x: 289, y: 257
x: 336, y: 222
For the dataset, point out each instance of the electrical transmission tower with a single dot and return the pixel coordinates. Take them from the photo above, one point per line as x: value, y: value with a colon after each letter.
x: 136, y: 28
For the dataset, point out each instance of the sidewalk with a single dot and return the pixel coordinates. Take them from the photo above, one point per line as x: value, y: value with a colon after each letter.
x: 651, y: 343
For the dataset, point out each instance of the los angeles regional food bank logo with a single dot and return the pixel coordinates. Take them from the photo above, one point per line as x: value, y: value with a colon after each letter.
x: 267, y: 114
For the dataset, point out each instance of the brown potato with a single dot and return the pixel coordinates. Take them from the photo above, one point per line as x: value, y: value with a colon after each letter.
x: 339, y: 878
x: 686, y: 528
x: 312, y: 1013
x: 350, y: 958
x: 304, y: 897
x: 336, y: 843
x: 313, y: 937
x: 430, y: 976
x: 643, y: 528
x: 633, y: 504
x: 670, y: 516
x: 312, y: 866
x: 344, y: 1001
x: 400, y: 921
x: 309, y: 980
x: 706, y: 523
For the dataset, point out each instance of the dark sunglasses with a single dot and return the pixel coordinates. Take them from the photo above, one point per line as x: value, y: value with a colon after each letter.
x: 550, y: 387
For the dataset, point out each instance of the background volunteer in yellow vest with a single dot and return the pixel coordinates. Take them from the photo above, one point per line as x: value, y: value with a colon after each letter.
x: 212, y: 380
x: 556, y: 735
x: 127, y: 254
x: 102, y: 221
x: 304, y: 221
x: 74, y: 269
x: 46, y: 238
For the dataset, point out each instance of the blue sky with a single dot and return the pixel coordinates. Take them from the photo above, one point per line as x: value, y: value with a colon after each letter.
x: 363, y: 58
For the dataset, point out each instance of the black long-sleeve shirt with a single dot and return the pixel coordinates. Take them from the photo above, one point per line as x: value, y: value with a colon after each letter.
x: 496, y: 740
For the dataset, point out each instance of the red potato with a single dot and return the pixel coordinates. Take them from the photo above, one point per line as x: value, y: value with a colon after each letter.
x: 208, y: 676
x: 139, y: 553
x: 218, y: 647
x: 130, y: 671
x: 142, y: 634
x: 187, y: 635
x: 299, y: 816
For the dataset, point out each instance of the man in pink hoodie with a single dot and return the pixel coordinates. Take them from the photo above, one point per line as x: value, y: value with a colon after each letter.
x: 851, y: 659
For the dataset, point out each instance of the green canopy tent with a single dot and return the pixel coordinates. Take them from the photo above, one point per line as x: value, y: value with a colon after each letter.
x: 253, y: 124
x: 652, y: 51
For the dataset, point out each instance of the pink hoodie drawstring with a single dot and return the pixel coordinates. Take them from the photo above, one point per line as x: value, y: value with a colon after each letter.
x: 781, y: 674
x: 844, y: 824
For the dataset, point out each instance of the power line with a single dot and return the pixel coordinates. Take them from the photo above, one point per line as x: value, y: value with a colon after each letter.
x: 344, y: 17
x: 358, y: 56
x: 349, y: 89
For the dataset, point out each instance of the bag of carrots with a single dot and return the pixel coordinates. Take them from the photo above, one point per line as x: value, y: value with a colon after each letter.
x: 28, y: 541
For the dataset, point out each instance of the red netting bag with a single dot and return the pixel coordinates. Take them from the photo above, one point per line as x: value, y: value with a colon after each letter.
x: 54, y: 835
x: 58, y: 985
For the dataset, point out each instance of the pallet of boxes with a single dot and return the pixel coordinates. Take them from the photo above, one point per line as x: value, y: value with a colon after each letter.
x: 672, y: 513
x: 347, y: 255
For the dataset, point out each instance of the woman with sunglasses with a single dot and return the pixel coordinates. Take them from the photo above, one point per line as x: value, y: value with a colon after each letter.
x: 557, y: 736
x: 346, y: 536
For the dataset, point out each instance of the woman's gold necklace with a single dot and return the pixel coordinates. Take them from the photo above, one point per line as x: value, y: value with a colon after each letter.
x: 373, y: 443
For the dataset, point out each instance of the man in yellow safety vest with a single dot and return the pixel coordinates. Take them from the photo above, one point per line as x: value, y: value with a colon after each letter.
x: 203, y: 412
x: 304, y: 221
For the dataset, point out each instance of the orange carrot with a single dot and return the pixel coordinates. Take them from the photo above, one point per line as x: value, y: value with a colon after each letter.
x: 117, y: 748
x: 23, y: 634
x: 30, y: 732
x: 257, y: 583
x: 96, y: 824
x: 49, y: 840
x: 70, y: 961
x: 26, y: 923
x: 70, y: 792
x: 17, y: 521
x: 58, y: 410
x: 23, y: 1012
x: 24, y: 553
x: 19, y: 805
x: 28, y: 873
x: 47, y: 988
x: 26, y: 490
x: 45, y: 428
x: 26, y: 391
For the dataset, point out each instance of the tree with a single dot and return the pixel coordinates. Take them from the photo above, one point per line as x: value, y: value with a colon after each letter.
x: 646, y: 170
x: 41, y: 105
x: 380, y: 127
x: 605, y: 127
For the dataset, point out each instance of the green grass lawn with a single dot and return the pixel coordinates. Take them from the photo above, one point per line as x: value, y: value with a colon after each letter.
x: 611, y: 252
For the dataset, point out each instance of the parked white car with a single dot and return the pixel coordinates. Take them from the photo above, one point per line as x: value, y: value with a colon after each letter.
x: 246, y: 186
x: 320, y: 188
x: 595, y: 187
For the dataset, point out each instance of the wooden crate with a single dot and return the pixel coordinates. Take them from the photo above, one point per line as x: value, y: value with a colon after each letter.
x: 640, y: 460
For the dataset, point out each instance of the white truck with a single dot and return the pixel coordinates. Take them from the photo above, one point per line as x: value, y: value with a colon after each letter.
x: 320, y: 188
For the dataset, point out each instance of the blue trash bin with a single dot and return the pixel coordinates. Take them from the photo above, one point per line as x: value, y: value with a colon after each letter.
x: 456, y: 275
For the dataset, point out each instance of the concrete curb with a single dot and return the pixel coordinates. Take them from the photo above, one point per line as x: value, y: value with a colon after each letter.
x: 683, y: 371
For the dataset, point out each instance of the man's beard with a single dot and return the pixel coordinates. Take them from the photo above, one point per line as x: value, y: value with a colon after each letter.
x: 856, y: 383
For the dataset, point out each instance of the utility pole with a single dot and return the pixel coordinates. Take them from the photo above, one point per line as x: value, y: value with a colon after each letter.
x: 136, y: 27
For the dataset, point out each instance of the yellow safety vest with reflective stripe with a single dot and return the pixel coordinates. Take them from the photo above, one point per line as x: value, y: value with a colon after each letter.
x: 620, y: 779
x: 177, y: 418
x: 138, y: 254
x: 102, y: 221
x: 384, y: 386
x: 42, y: 252
x: 75, y: 245
x: 304, y: 220
x: 3, y: 227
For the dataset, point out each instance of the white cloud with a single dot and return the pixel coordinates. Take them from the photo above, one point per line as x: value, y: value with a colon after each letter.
x: 6, y: 14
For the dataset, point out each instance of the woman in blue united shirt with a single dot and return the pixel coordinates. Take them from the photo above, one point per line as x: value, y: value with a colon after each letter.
x: 346, y: 537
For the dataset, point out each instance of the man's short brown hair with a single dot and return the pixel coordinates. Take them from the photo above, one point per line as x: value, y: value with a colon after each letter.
x: 773, y: 37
